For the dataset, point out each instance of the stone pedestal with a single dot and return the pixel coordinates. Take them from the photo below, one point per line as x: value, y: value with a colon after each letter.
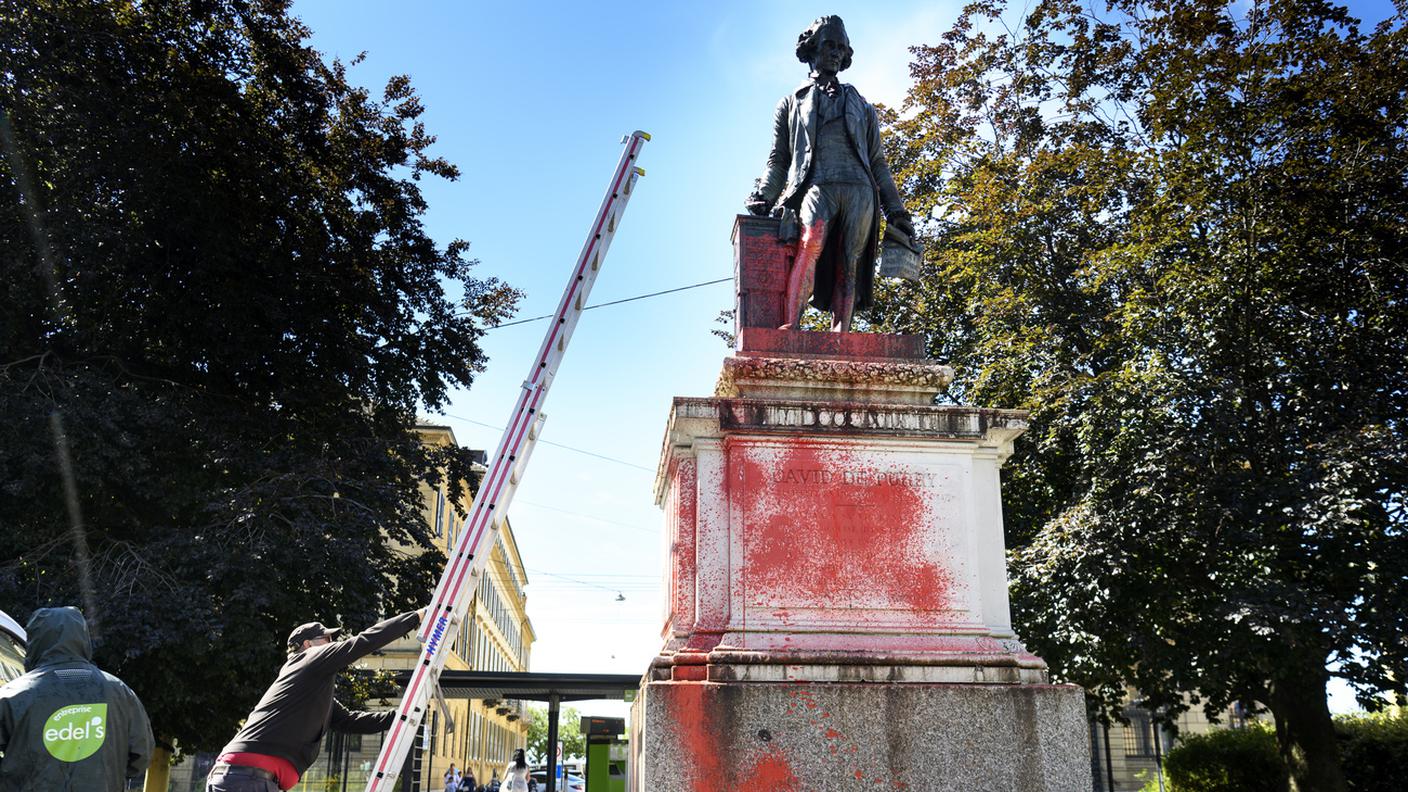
x: 705, y: 736
x: 837, y: 612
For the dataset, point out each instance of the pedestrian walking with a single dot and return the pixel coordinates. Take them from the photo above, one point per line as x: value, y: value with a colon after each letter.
x: 516, y: 774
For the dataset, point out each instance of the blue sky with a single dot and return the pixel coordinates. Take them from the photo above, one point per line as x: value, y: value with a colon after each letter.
x: 530, y: 100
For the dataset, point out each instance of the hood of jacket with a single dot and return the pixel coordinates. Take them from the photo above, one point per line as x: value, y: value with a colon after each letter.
x: 57, y: 635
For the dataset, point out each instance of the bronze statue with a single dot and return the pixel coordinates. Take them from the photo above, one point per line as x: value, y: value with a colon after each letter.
x: 827, y: 171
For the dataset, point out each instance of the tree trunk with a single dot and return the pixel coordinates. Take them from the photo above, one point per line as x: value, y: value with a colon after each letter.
x: 1304, y: 730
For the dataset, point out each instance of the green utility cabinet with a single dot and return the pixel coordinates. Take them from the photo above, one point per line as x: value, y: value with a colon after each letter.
x: 606, y: 754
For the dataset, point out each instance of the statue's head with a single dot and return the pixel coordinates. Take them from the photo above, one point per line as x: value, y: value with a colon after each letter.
x: 812, y: 42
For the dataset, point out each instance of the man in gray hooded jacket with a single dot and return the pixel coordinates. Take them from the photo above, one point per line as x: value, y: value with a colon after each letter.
x: 66, y: 725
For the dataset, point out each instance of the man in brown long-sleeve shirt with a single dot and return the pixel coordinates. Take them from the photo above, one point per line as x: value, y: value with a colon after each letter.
x: 281, y: 737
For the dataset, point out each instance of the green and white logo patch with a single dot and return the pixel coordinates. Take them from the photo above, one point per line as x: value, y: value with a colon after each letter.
x: 76, y: 732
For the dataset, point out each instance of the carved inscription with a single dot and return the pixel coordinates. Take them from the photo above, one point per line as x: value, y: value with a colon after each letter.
x: 821, y: 477
x: 776, y: 415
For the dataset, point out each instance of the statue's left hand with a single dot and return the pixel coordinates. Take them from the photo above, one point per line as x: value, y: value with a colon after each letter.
x: 901, y: 221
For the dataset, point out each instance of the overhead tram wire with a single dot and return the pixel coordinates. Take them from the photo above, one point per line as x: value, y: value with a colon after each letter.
x: 640, y: 528
x: 616, y: 575
x: 574, y: 582
x: 551, y: 443
x: 592, y: 517
x: 613, y: 302
x: 614, y: 589
x: 586, y: 309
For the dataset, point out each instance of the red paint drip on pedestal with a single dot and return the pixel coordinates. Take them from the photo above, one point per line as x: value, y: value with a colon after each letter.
x: 699, y: 742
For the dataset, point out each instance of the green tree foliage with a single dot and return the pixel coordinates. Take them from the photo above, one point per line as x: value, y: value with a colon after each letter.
x: 569, y: 733
x: 1374, y: 749
x: 1176, y: 232
x: 216, y: 277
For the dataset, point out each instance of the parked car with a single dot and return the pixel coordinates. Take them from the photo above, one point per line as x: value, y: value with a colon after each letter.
x: 574, y: 783
x: 12, y: 644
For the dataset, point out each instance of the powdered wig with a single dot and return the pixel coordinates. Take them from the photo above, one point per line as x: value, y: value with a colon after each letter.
x: 806, y: 42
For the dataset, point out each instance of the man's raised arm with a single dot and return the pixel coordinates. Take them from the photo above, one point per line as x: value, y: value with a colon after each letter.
x: 340, y: 654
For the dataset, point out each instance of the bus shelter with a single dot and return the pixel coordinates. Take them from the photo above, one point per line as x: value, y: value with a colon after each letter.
x: 551, y: 688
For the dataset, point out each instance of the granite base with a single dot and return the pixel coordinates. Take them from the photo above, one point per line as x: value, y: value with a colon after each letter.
x: 799, y: 737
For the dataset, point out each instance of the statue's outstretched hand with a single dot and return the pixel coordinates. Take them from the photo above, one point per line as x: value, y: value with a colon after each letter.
x: 756, y: 205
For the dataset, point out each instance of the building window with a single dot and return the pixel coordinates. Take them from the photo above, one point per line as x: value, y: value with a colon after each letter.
x: 1139, y: 733
x: 1239, y: 715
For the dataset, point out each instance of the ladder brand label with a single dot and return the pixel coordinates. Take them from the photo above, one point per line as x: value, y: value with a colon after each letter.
x: 76, y: 732
x: 434, y: 642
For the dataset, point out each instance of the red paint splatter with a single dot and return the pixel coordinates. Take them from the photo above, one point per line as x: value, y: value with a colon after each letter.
x: 772, y: 773
x: 838, y: 743
x: 826, y: 527
x: 703, y: 642
x: 762, y: 277
x: 689, y: 673
x: 682, y: 511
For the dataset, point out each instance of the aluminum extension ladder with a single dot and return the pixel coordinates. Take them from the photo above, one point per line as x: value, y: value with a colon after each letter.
x: 467, y: 561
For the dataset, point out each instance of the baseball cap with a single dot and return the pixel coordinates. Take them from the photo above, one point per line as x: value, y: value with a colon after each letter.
x: 309, y: 631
